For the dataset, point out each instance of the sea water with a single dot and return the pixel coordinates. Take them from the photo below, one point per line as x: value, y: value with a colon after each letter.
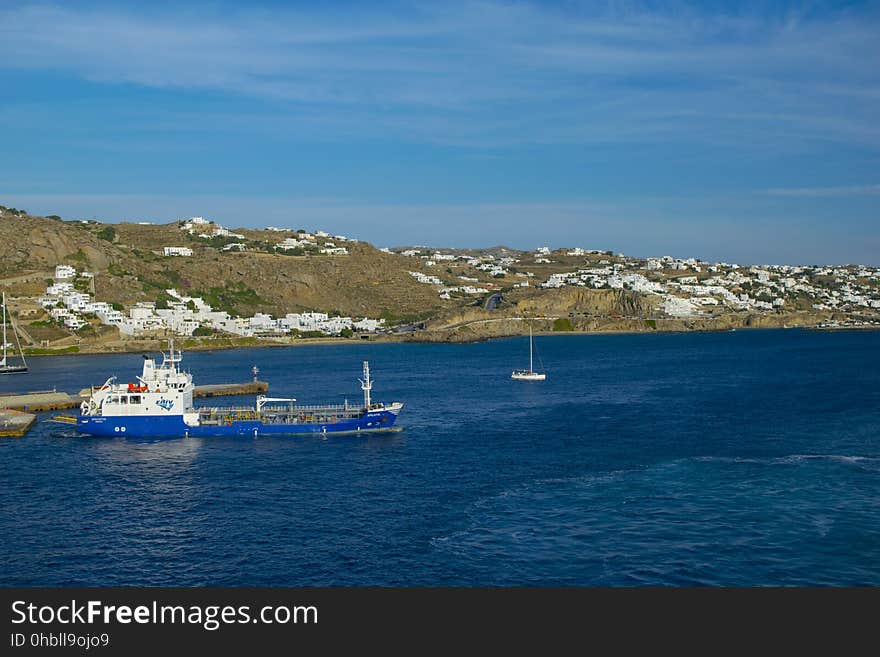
x: 740, y: 458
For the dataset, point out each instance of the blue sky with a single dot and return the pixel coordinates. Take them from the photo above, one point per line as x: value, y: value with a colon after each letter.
x: 744, y: 132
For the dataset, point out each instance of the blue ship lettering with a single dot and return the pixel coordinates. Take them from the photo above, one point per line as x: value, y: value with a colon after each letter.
x: 165, y: 403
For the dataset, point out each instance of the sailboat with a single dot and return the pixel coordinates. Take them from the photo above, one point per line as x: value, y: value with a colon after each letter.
x: 5, y: 366
x: 529, y: 374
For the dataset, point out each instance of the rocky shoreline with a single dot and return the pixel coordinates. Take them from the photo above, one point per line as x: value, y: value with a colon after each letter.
x: 467, y: 333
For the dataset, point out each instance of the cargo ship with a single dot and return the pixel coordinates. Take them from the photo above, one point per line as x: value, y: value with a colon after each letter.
x: 160, y: 404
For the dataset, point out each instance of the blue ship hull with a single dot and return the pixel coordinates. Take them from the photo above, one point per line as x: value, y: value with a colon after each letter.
x: 174, y: 426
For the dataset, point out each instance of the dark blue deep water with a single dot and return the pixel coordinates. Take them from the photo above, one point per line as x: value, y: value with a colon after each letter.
x: 742, y: 458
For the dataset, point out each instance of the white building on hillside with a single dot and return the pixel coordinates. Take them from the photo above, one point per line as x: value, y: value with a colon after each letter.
x: 64, y: 272
x: 220, y: 231
x: 178, y: 251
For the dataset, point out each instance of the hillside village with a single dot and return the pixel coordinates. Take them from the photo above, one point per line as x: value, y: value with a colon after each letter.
x: 85, y: 284
x: 181, y: 315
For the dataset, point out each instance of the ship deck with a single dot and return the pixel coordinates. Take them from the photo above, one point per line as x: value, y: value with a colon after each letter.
x: 218, y: 415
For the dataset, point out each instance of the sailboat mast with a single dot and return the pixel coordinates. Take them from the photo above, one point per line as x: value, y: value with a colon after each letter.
x: 3, y: 360
x: 18, y: 341
x: 530, y: 349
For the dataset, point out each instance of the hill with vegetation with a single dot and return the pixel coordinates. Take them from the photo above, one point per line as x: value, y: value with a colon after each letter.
x: 433, y: 294
x: 129, y: 266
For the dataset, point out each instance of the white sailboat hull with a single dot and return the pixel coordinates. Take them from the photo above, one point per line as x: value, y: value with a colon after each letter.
x: 528, y: 376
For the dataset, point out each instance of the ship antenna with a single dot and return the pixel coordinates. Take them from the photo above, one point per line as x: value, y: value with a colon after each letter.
x: 366, y: 384
x: 173, y: 359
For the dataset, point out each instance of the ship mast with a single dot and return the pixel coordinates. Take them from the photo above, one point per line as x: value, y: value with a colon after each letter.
x: 366, y: 384
x: 173, y: 359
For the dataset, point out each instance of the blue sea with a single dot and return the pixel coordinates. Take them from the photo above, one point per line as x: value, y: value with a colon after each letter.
x: 700, y: 459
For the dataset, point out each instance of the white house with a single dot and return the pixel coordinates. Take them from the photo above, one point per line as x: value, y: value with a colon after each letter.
x: 262, y: 322
x: 58, y: 289
x: 220, y: 231
x: 292, y: 243
x: 368, y: 325
x: 178, y: 251
x: 424, y: 278
x: 111, y: 317
x: 74, y: 323
x: 64, y: 272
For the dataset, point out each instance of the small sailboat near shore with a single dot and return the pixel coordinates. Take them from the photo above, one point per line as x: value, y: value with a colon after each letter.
x: 5, y: 366
x: 529, y: 374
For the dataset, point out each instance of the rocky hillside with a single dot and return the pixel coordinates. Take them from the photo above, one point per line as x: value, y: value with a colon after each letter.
x: 454, y: 294
x: 129, y: 266
x: 29, y: 243
x: 566, y: 300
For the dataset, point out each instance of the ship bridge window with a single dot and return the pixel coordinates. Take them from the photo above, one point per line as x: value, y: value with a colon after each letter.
x: 112, y: 400
x: 123, y: 399
x: 134, y: 399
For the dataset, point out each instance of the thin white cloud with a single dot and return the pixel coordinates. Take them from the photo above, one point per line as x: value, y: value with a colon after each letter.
x: 818, y: 192
x: 486, y: 73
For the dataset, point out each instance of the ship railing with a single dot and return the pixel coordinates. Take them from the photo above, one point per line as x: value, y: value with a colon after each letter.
x: 296, y: 407
x: 320, y: 407
x: 224, y: 408
x: 227, y: 415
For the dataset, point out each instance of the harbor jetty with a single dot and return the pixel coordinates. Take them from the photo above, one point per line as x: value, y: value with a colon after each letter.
x: 38, y: 401
x: 51, y: 400
x: 15, y: 424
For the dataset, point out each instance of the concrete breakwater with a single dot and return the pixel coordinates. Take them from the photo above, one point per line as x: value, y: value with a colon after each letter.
x: 38, y: 402
x: 14, y: 424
